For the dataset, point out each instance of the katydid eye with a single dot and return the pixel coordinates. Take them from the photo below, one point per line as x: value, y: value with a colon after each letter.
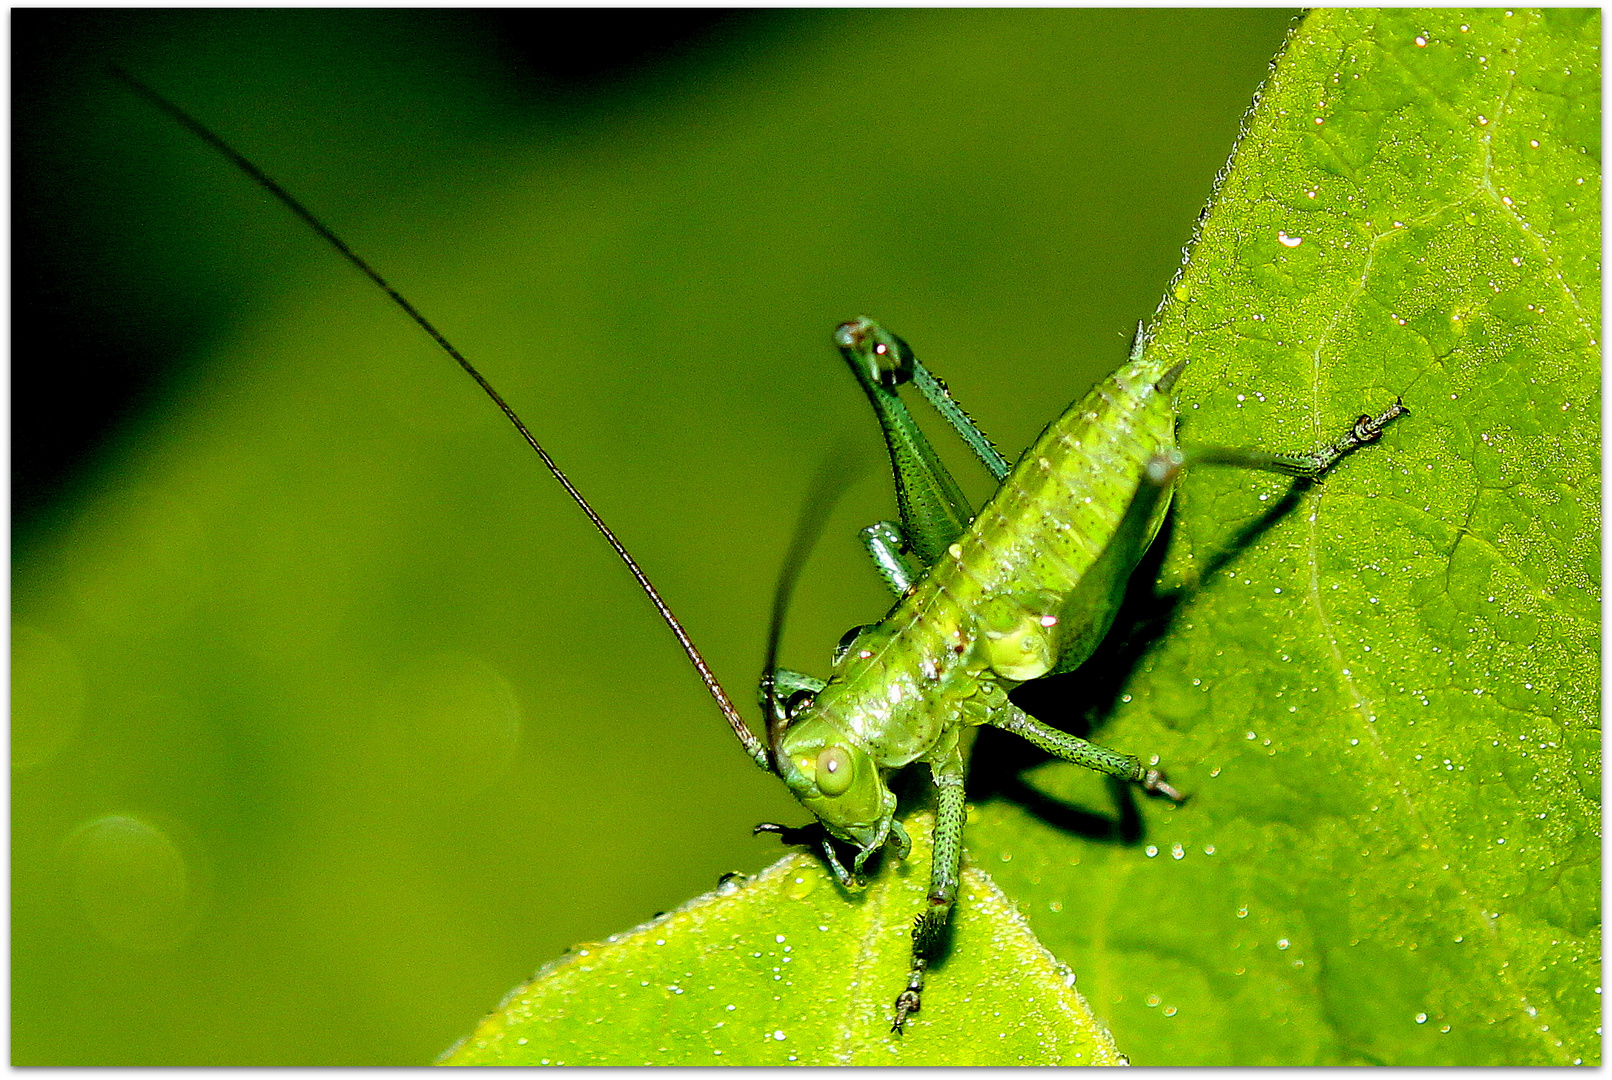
x: 833, y: 771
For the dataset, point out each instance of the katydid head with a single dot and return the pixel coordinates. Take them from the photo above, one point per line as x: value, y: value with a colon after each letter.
x: 875, y: 353
x: 835, y: 777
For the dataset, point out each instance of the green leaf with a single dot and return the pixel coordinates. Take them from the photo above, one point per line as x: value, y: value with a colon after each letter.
x: 790, y: 968
x: 1386, y: 708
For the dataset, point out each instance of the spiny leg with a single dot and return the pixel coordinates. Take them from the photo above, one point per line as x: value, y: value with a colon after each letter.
x: 1061, y: 744
x: 935, y: 392
x: 945, y: 871
x: 1308, y: 466
x: 934, y: 511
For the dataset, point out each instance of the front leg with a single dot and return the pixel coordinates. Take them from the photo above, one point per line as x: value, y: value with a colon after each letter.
x: 929, y: 928
x: 813, y: 836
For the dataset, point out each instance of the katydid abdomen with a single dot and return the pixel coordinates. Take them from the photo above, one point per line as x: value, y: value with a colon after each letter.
x: 991, y: 610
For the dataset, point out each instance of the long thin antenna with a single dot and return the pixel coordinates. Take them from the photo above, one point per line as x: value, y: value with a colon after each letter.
x: 835, y: 474
x: 752, y: 745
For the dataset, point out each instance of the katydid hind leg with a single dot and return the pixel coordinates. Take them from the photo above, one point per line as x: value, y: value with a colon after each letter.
x: 938, y: 396
x: 934, y: 511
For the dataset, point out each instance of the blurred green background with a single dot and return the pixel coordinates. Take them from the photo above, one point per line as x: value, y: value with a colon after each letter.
x: 332, y: 719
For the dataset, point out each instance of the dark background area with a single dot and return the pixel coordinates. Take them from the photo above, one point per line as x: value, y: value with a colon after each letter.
x: 97, y: 345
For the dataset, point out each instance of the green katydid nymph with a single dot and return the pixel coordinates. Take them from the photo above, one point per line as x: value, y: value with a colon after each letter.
x: 1026, y: 587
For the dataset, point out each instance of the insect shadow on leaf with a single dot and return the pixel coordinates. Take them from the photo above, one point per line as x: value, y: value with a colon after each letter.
x: 1079, y: 702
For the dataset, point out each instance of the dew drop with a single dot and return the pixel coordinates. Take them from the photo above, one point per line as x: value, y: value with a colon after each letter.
x: 132, y: 882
